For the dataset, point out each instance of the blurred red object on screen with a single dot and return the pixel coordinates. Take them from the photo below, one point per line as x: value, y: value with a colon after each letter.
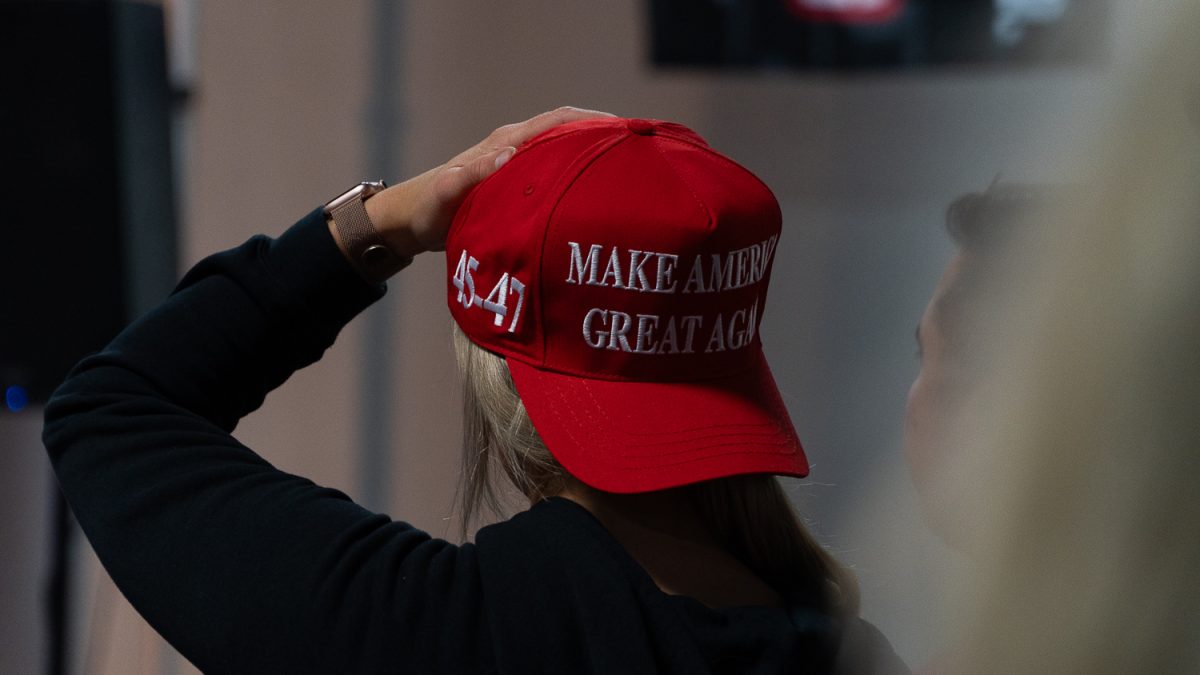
x: 847, y: 11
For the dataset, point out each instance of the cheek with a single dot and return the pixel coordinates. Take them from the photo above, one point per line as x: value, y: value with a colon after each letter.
x: 916, y: 406
x: 921, y: 425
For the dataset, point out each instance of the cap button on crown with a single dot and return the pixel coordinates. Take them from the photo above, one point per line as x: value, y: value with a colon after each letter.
x: 641, y: 127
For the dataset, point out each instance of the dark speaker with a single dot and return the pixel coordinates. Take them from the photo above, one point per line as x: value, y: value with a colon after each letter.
x: 88, y: 239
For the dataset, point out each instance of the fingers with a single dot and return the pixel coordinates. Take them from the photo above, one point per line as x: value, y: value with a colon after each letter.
x: 454, y: 182
x: 513, y: 135
x: 518, y: 133
x: 471, y: 167
x: 473, y: 172
x: 435, y: 195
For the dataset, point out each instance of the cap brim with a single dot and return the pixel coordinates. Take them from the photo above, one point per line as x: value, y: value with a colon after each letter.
x: 621, y: 436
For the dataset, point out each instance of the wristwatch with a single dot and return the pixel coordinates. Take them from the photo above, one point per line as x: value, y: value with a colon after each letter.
x: 369, y: 254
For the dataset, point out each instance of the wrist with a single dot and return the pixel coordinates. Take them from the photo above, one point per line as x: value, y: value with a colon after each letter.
x: 358, y: 237
x: 391, y: 213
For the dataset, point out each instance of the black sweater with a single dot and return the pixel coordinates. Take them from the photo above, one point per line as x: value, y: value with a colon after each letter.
x: 247, y: 569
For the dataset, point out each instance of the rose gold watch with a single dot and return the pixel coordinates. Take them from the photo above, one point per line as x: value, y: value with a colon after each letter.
x: 369, y: 254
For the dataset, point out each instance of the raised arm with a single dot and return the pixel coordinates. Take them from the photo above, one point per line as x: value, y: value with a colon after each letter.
x: 240, y: 566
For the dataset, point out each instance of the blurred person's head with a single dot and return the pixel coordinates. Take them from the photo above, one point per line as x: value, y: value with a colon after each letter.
x: 950, y: 345
x: 1082, y: 444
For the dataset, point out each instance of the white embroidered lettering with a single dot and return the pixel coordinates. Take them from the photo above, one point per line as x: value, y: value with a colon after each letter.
x: 618, y: 327
x: 708, y: 273
x: 655, y: 334
x: 695, y: 277
x: 577, y: 264
x: 646, y: 323
x: 717, y: 338
x: 463, y: 279
x: 600, y: 335
x: 612, y: 269
x: 690, y: 323
x: 519, y: 288
x: 768, y: 251
x: 637, y: 272
x: 669, y: 343
x: 752, y: 323
x: 721, y: 278
x: 663, y: 283
x: 497, y: 300
x: 742, y: 269
x: 736, y: 338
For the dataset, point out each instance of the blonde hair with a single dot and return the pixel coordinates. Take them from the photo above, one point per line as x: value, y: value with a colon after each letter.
x: 750, y: 514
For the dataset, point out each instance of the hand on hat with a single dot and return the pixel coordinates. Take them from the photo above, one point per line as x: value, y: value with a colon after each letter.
x: 415, y: 215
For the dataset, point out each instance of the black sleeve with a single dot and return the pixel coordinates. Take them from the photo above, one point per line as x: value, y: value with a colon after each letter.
x: 242, y: 567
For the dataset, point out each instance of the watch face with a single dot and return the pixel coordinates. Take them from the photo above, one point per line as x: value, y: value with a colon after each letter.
x: 363, y: 191
x: 371, y: 188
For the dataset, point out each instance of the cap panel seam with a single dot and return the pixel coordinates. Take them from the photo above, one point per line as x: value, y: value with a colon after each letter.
x: 703, y: 206
x: 461, y: 215
x: 543, y: 140
x: 728, y: 160
x: 562, y: 188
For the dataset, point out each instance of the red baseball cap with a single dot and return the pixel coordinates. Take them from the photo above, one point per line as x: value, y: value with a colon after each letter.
x: 620, y: 266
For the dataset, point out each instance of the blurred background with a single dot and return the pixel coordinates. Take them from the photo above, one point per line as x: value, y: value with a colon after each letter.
x: 159, y: 132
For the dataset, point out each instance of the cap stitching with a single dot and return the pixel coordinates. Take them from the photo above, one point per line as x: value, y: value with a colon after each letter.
x: 613, y: 461
x: 575, y: 442
x: 610, y: 422
x: 723, y: 441
x: 608, y: 418
x: 745, y: 451
x: 601, y: 440
x: 599, y: 373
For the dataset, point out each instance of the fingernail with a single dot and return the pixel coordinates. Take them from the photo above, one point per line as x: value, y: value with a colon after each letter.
x: 505, y: 155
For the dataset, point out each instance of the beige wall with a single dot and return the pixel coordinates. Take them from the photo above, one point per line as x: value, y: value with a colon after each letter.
x: 276, y: 130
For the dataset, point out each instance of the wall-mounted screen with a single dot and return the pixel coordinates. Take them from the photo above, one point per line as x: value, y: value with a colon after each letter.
x: 877, y: 34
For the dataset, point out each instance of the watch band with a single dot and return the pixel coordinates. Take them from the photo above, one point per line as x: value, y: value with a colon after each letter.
x: 369, y: 254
